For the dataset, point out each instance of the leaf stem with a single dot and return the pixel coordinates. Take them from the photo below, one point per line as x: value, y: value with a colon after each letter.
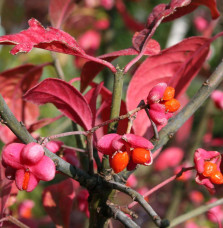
x: 57, y: 66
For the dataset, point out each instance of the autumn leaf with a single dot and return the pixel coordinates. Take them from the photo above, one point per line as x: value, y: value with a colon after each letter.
x: 65, y: 97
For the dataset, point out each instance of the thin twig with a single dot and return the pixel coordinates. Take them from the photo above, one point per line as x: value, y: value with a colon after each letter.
x: 66, y: 134
x: 139, y: 198
x: 90, y: 153
x: 57, y: 66
x: 162, y: 184
x: 122, y: 217
x: 74, y: 148
x: 13, y: 220
x: 198, y: 211
x: 122, y: 117
x: 21, y: 132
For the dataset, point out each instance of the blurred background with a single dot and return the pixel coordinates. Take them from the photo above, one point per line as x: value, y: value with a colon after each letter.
x: 104, y: 26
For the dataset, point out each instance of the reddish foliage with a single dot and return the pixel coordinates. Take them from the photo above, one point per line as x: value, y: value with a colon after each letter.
x: 159, y: 13
x: 13, y: 84
x: 129, y: 21
x: 91, y: 98
x: 42, y: 123
x: 58, y: 204
x: 59, y: 11
x: 91, y: 69
x: 65, y: 97
x: 51, y: 39
x: 176, y: 66
x: 211, y: 4
x: 162, y: 11
x: 5, y: 189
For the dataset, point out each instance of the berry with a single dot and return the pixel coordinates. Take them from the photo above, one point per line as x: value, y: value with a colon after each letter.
x: 141, y: 156
x: 217, y: 178
x: 169, y: 93
x: 209, y: 168
x: 119, y: 161
x: 26, y: 180
x: 172, y: 105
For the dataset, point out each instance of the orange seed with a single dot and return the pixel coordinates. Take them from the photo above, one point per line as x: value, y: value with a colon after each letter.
x: 172, y: 105
x: 209, y: 168
x: 217, y: 178
x: 169, y: 93
x: 119, y: 161
x: 140, y: 156
x: 26, y: 179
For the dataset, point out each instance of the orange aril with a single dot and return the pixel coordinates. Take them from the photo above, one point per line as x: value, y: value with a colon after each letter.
x: 141, y: 156
x: 169, y: 93
x: 26, y: 179
x: 172, y: 105
x: 217, y: 178
x: 209, y: 168
x: 119, y: 161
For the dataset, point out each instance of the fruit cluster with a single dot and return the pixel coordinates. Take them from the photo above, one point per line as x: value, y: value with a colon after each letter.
x: 27, y: 165
x: 125, y: 151
x: 162, y: 103
x: 211, y: 171
x: 207, y: 165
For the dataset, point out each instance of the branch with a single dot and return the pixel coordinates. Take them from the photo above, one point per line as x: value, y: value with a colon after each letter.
x: 122, y: 217
x: 21, y: 132
x: 139, y: 198
x: 195, y: 212
x: 13, y: 220
x: 116, y: 98
x: 162, y: 184
x: 177, y: 121
x: 122, y: 117
x: 90, y: 154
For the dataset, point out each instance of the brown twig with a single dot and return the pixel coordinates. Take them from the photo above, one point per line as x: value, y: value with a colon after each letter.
x: 139, y: 198
x: 13, y: 220
x: 122, y: 217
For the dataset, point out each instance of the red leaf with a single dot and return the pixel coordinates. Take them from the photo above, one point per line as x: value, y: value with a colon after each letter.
x: 176, y: 66
x: 58, y: 201
x: 91, y: 69
x: 159, y: 13
x: 13, y: 84
x: 42, y: 123
x: 5, y: 189
x: 91, y: 96
x: 51, y: 39
x: 65, y: 97
x: 130, y: 22
x: 211, y: 4
x: 59, y: 11
x: 103, y: 113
